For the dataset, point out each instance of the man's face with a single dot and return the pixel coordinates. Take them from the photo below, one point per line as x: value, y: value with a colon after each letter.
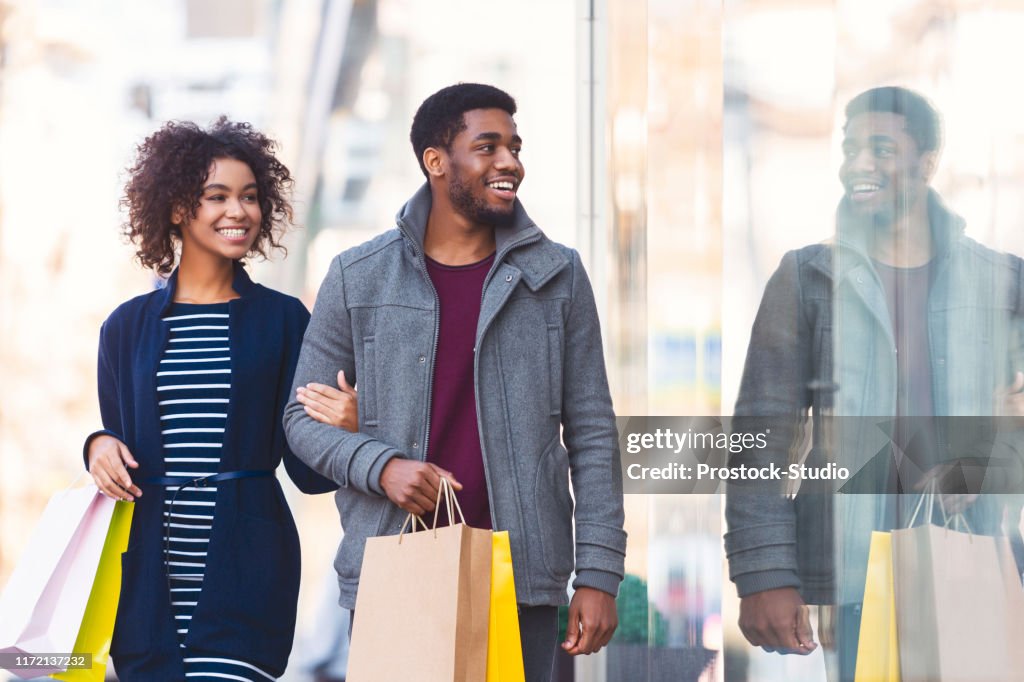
x: 883, y: 170
x: 484, y: 167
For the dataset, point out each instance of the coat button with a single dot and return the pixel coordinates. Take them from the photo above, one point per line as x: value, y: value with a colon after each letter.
x: 423, y: 359
x: 415, y: 446
x: 508, y: 278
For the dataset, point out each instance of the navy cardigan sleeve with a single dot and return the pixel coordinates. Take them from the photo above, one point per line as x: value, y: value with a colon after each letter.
x: 106, y: 384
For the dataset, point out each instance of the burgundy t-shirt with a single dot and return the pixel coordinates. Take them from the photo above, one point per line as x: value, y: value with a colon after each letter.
x: 454, y: 441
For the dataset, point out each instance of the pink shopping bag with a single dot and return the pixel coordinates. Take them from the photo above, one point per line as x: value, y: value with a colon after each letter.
x: 41, y: 607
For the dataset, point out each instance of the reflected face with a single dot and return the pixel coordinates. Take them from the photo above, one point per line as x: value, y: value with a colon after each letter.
x: 882, y: 167
x: 485, y: 171
x: 227, y: 222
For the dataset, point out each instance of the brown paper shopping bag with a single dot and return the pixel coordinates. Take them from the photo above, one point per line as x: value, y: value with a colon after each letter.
x: 959, y: 606
x: 423, y: 605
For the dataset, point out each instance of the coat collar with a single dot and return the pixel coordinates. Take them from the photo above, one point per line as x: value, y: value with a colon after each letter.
x: 849, y: 249
x: 526, y: 246
x: 164, y: 297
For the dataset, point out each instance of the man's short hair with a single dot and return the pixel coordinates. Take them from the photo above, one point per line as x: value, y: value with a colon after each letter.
x: 923, y: 121
x: 439, y: 119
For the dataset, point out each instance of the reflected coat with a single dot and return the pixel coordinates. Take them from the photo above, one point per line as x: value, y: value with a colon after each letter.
x: 822, y: 343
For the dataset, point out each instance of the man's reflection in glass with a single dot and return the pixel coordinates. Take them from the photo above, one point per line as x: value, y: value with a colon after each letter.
x: 901, y: 318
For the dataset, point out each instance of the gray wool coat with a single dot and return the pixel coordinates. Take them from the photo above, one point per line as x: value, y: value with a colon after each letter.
x: 542, y: 401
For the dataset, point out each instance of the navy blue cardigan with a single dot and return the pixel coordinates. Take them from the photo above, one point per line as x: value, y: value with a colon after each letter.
x: 247, y: 607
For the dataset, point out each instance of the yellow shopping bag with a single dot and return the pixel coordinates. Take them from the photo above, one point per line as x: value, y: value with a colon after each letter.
x: 504, y: 648
x: 97, y: 627
x: 878, y: 656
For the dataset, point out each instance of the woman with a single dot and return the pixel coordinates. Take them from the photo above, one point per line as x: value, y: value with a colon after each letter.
x: 193, y: 378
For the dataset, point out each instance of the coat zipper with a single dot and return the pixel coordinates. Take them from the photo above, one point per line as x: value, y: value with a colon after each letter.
x: 433, y: 355
x: 433, y: 352
x: 498, y: 258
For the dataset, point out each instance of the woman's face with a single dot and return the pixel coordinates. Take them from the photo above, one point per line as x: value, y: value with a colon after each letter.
x: 227, y: 222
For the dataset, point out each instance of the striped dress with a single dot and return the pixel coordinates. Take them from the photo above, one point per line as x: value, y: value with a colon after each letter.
x: 193, y: 388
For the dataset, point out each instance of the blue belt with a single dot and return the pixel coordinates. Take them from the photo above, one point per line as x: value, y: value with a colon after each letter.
x: 203, y: 481
x: 197, y: 482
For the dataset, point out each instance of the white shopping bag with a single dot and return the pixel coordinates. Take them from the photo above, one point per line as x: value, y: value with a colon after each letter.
x: 42, y: 605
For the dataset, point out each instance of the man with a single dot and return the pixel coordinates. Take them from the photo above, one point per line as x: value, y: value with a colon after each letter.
x: 473, y: 341
x: 901, y: 316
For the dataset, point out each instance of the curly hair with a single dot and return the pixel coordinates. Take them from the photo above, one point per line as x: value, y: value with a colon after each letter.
x: 167, y: 177
x: 440, y: 118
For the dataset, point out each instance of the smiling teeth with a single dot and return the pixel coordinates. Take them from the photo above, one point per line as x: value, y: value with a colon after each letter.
x: 233, y: 234
x: 866, y: 187
x: 503, y: 184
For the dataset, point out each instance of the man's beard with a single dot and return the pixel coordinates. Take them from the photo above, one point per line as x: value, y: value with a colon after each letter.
x: 474, y: 208
x: 906, y: 196
x: 886, y: 218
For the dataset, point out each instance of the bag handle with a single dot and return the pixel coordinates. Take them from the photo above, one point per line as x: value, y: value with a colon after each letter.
x: 960, y: 520
x: 85, y: 472
x: 414, y: 518
x: 449, y: 498
x: 444, y: 489
x: 931, y: 492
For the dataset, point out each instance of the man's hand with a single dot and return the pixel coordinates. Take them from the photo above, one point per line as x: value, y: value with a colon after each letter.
x: 1009, y: 400
x: 777, y: 620
x: 412, y: 485
x: 592, y: 621
x: 108, y: 458
x: 952, y: 503
x: 335, y: 406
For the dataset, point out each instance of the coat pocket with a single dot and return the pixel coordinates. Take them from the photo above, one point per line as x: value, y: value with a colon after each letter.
x: 555, y: 368
x: 367, y: 383
x: 135, y: 632
x: 250, y: 591
x: 553, y: 506
x: 363, y: 517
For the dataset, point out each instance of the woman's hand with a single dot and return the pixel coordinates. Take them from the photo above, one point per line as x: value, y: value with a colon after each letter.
x: 335, y: 406
x: 108, y: 459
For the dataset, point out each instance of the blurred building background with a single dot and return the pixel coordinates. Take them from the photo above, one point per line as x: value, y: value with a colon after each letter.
x: 681, y: 145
